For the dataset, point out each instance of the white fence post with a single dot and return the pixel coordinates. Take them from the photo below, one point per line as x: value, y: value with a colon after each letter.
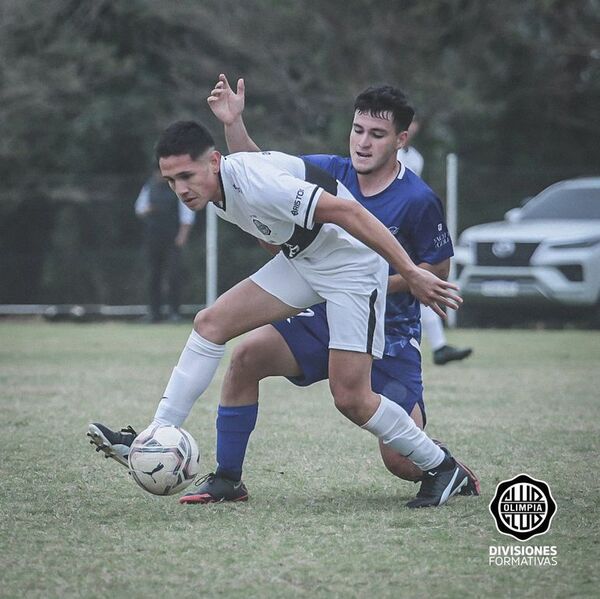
x: 452, y: 215
x: 212, y: 255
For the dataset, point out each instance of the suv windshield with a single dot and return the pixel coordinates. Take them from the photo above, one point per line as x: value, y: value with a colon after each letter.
x: 578, y: 204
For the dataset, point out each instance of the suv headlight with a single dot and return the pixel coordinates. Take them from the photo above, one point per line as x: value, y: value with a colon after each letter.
x: 573, y: 245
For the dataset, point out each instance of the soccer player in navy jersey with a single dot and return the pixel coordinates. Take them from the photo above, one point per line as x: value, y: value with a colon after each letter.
x: 297, y: 347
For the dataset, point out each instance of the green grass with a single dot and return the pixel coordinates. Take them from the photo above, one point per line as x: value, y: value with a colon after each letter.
x: 325, y: 519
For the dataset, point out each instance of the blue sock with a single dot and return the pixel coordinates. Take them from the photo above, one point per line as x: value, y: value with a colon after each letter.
x: 234, y: 426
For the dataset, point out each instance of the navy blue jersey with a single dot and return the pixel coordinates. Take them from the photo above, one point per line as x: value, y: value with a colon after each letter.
x: 414, y: 215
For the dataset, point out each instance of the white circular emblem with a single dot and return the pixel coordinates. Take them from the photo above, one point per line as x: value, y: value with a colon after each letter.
x: 503, y: 249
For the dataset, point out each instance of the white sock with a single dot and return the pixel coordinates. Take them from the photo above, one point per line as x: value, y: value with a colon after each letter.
x: 433, y: 328
x: 190, y: 378
x: 396, y: 428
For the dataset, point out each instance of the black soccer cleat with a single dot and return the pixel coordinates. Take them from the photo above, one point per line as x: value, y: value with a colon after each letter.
x: 473, y: 486
x: 114, y: 445
x: 448, y: 353
x: 215, y: 489
x: 440, y: 483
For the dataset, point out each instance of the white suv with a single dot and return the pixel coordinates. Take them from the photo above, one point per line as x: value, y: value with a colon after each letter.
x: 547, y: 252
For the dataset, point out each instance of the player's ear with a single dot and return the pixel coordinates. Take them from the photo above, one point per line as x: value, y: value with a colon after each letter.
x: 401, y: 139
x: 214, y: 160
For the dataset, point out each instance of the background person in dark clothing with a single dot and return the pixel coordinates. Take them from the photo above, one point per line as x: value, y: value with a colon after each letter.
x: 167, y: 224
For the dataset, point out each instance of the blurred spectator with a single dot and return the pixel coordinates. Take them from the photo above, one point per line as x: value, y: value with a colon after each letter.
x: 433, y: 327
x: 167, y: 224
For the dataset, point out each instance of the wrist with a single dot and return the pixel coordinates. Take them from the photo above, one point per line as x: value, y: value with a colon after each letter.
x: 236, y: 121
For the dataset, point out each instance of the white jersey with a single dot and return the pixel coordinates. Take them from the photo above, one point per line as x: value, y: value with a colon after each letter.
x: 411, y: 159
x: 273, y: 196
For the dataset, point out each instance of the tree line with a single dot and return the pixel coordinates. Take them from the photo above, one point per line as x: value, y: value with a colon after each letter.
x: 86, y: 86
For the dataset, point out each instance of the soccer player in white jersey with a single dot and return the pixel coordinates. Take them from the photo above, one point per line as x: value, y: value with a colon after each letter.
x: 327, y: 241
x: 297, y: 348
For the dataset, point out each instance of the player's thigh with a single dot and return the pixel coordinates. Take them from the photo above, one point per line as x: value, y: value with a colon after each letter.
x: 262, y: 353
x: 244, y: 307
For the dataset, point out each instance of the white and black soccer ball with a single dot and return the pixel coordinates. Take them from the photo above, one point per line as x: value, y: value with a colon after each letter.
x: 164, y: 459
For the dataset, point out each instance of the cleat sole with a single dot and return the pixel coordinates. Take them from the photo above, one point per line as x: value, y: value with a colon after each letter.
x: 101, y: 443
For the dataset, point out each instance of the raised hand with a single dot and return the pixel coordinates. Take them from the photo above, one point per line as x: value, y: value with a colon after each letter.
x: 226, y: 104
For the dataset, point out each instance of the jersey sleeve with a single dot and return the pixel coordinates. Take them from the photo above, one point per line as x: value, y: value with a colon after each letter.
x: 277, y: 191
x: 324, y: 161
x: 430, y: 234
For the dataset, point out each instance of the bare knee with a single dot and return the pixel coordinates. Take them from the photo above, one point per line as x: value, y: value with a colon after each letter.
x: 353, y: 401
x: 247, y: 362
x: 344, y: 397
x: 207, y: 324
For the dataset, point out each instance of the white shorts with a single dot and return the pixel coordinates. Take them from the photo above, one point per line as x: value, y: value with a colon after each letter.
x: 355, y: 316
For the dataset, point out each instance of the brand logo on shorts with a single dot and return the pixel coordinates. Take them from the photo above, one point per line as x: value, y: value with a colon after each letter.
x: 523, y: 507
x: 261, y: 227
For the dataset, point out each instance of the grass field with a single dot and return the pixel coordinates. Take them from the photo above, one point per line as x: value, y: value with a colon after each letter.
x: 324, y: 519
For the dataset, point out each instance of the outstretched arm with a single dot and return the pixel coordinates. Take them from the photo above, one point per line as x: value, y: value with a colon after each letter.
x: 228, y: 106
x: 351, y: 216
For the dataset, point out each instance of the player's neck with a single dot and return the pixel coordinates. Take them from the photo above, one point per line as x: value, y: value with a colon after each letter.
x: 375, y: 182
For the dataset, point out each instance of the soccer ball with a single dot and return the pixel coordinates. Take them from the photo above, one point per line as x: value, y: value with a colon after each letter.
x: 164, y: 459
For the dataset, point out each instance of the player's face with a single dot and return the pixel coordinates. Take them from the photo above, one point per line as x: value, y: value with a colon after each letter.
x: 374, y: 142
x: 196, y: 182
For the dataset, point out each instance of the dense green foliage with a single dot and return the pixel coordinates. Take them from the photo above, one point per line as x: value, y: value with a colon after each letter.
x: 86, y: 85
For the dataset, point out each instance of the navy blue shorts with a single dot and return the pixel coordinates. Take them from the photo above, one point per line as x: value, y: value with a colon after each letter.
x: 397, y: 377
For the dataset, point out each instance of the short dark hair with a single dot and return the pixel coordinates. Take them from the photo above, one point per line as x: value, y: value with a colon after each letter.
x: 377, y: 100
x: 184, y: 137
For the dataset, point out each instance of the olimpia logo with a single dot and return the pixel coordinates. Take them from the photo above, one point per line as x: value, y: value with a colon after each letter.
x: 523, y: 507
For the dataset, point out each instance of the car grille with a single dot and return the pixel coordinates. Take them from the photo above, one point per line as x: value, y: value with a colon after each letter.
x: 519, y: 257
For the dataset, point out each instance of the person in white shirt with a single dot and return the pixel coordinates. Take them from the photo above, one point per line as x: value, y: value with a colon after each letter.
x: 433, y: 327
x: 333, y: 250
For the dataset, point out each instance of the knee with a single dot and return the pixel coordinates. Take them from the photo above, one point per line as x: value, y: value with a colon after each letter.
x: 345, y: 397
x: 206, y: 324
x: 246, y: 362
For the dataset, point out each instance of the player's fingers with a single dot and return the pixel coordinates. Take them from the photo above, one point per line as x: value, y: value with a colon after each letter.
x: 450, y: 303
x: 241, y: 87
x: 449, y: 285
x: 436, y: 308
x: 223, y: 78
x: 452, y: 296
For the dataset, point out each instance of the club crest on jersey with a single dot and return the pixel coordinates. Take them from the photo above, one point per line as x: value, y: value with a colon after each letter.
x: 261, y: 226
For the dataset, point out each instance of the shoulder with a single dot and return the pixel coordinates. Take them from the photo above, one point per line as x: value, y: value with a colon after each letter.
x: 262, y: 164
x: 416, y: 192
x: 338, y: 166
